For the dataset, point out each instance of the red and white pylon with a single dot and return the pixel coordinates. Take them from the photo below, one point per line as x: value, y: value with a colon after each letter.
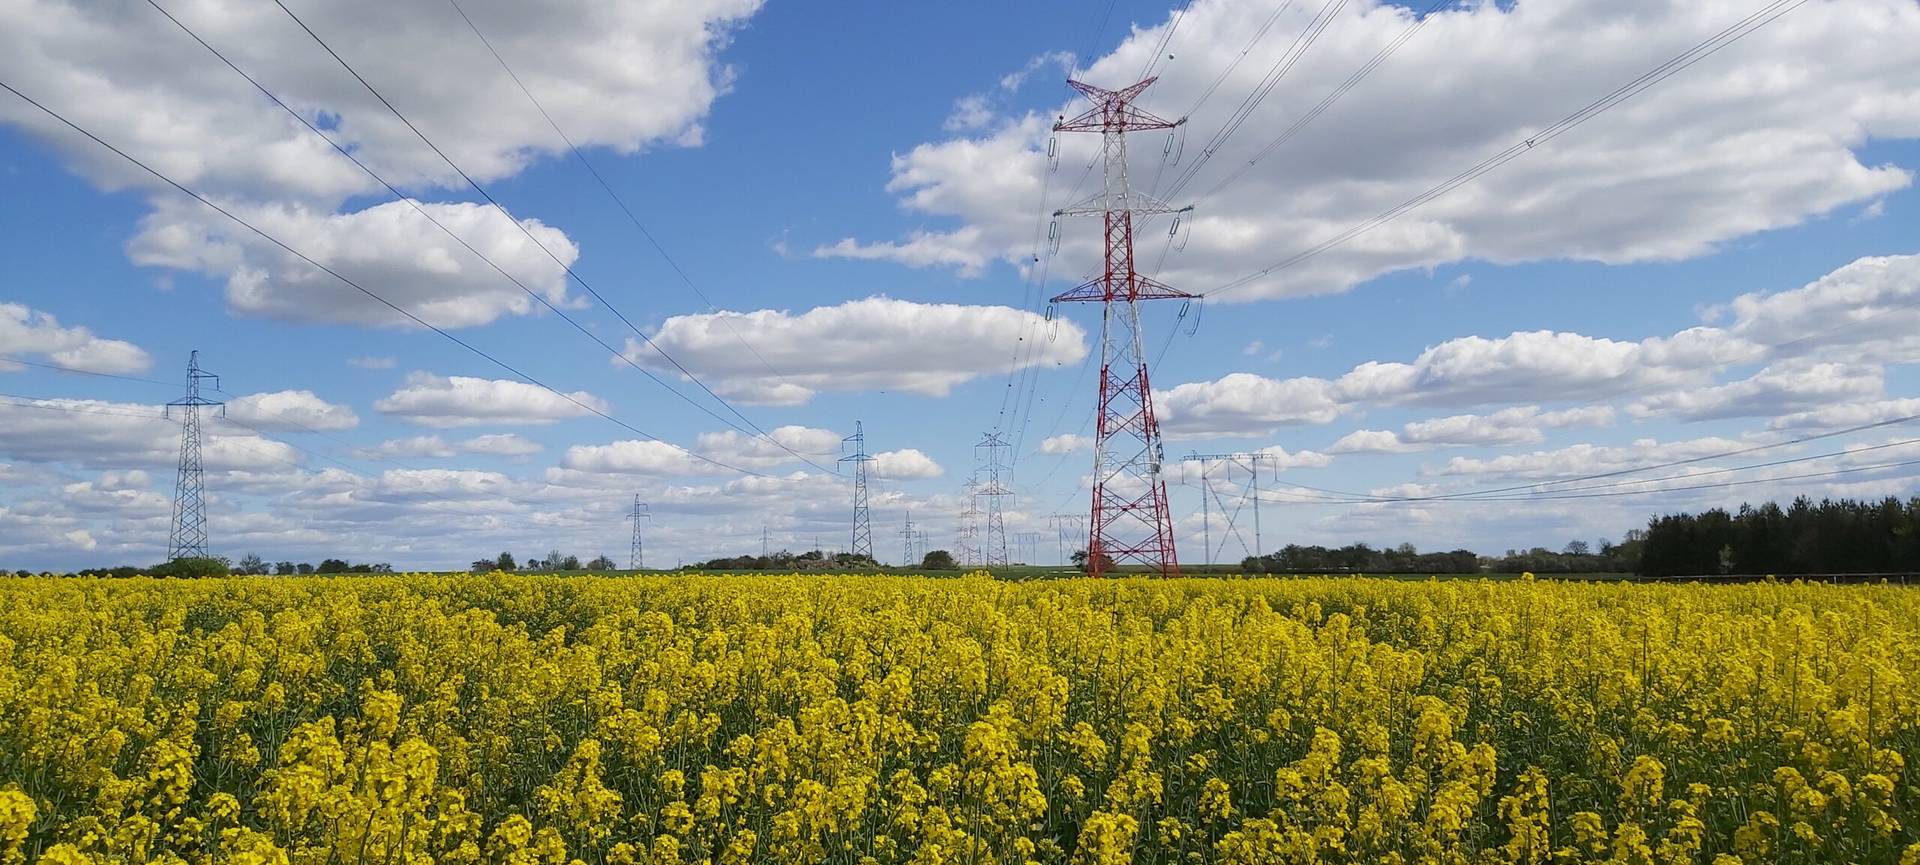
x: 1131, y: 521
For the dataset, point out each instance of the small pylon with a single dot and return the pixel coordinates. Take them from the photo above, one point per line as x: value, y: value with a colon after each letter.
x: 862, y: 544
x: 992, y: 451
x: 636, y: 552
x: 189, y: 536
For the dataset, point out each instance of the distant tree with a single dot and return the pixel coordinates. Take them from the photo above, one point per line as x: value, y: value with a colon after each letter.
x: 188, y: 567
x: 334, y: 566
x: 482, y: 566
x: 283, y: 568
x: 938, y: 560
x: 601, y: 563
x: 1575, y: 547
x: 570, y: 563
x: 505, y: 562
x: 250, y: 564
x: 303, y: 568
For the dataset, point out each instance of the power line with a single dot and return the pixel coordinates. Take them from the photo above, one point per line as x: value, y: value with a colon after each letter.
x: 1706, y: 48
x: 651, y: 240
x: 78, y: 371
x: 190, y: 192
x: 536, y: 241
x: 1288, y: 59
x: 1326, y: 102
x: 415, y: 205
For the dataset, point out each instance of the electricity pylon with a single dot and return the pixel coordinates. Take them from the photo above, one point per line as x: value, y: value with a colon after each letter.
x: 1130, y: 517
x: 908, y: 536
x: 992, y: 451
x: 189, y: 536
x: 1250, y: 492
x: 636, y: 558
x: 862, y: 544
x: 968, y: 537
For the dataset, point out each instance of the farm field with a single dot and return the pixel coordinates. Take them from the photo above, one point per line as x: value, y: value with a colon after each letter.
x: 526, y: 719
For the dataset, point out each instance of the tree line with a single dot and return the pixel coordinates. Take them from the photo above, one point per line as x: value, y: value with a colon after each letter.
x: 1577, y: 557
x: 1830, y: 536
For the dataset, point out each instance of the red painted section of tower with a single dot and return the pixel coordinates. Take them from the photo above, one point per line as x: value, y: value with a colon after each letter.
x: 1131, y: 520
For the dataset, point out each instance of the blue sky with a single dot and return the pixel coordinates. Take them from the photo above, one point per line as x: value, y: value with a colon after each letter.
x: 1720, y: 262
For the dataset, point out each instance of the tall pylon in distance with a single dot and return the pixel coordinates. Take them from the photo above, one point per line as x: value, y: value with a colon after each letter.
x: 862, y: 544
x: 1130, y: 517
x: 967, y: 538
x: 992, y: 454
x: 636, y: 552
x: 907, y: 536
x: 189, y: 536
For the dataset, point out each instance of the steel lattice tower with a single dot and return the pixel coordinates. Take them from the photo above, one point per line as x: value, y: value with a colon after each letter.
x: 862, y: 544
x: 636, y: 552
x: 907, y: 537
x: 968, y: 537
x: 1131, y: 520
x: 992, y: 452
x: 189, y: 536
x: 1250, y: 492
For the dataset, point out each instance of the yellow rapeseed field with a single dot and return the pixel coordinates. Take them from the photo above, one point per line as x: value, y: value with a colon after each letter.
x: 513, y: 719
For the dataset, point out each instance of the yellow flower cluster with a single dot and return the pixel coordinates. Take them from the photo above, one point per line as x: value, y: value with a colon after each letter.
x: 902, y: 721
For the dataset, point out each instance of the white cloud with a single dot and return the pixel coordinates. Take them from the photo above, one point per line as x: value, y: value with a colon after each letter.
x: 631, y: 457
x: 1513, y: 426
x: 452, y: 401
x: 26, y: 332
x: 1242, y: 403
x: 435, y: 447
x: 1848, y: 415
x: 1585, y: 459
x: 874, y: 344
x: 109, y: 435
x: 291, y: 410
x: 757, y: 452
x: 969, y: 113
x: 131, y: 77
x: 1788, y: 387
x: 1066, y: 443
x: 907, y: 464
x: 501, y: 445
x: 1867, y: 309
x: 389, y: 248
x: 1749, y: 141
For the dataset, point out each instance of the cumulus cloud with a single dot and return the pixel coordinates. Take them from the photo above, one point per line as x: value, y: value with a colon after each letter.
x: 631, y: 457
x: 1670, y: 174
x: 110, y: 435
x: 1514, y: 426
x: 1066, y: 443
x: 291, y: 410
x: 389, y: 248
x: 453, y: 401
x: 1777, y: 389
x: 1585, y: 459
x: 435, y: 447
x: 1243, y: 403
x: 874, y: 344
x: 139, y: 83
x: 28, y: 333
x: 1848, y: 415
x: 906, y: 464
